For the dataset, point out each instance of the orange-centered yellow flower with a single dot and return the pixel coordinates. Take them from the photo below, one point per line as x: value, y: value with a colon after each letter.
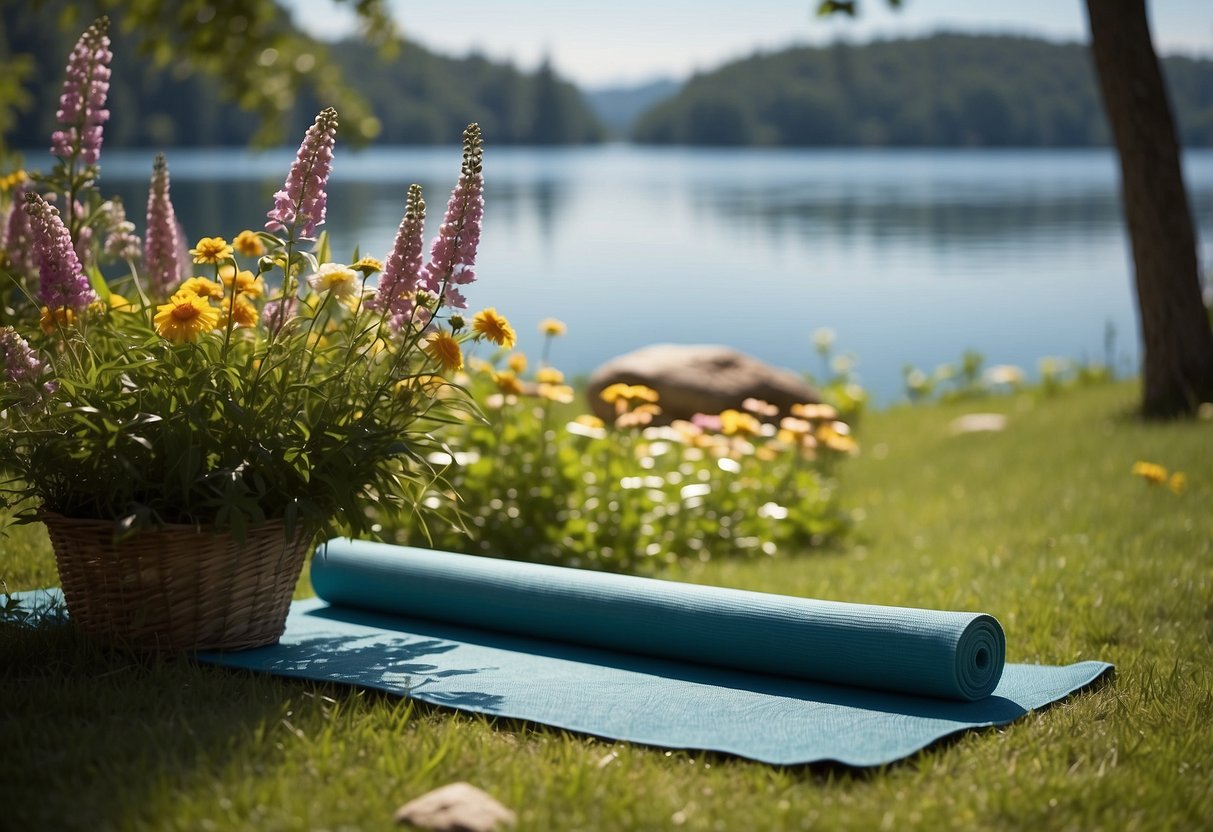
x: 1151, y: 472
x: 508, y: 383
x: 211, y: 250
x: 249, y: 244
x: 54, y: 320
x: 444, y: 349
x: 185, y: 317
x: 517, y: 362
x: 245, y: 282
x: 242, y: 311
x: 493, y: 326
x: 368, y: 265
x: 551, y: 326
x: 202, y: 287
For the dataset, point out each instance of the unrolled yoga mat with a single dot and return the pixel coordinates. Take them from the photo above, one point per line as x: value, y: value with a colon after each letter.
x: 774, y: 678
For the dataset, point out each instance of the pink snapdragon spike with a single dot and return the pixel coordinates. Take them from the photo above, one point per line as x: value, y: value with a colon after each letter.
x: 453, y: 252
x: 62, y: 282
x: 21, y: 363
x: 162, y: 248
x: 19, y: 235
x: 82, y: 105
x: 403, y: 273
x: 300, y: 205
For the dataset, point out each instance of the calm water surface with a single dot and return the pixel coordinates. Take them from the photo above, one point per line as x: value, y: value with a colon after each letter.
x: 910, y: 256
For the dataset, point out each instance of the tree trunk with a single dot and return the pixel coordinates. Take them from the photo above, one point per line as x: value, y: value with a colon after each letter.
x: 1177, y: 360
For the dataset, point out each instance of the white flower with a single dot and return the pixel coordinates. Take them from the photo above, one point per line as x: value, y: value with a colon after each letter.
x: 337, y: 278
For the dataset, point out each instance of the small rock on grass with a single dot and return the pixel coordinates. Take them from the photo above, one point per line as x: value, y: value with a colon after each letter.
x: 978, y: 423
x: 458, y: 807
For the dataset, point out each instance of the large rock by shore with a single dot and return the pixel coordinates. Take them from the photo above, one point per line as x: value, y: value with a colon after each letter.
x: 701, y: 378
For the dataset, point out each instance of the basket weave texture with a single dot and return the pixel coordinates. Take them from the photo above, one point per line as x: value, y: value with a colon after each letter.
x: 177, y: 587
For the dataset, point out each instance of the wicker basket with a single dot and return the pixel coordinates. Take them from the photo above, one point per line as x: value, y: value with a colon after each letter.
x: 177, y: 587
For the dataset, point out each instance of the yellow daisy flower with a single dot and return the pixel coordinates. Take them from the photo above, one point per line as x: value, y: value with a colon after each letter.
x: 551, y: 326
x: 246, y: 283
x: 1178, y: 482
x: 561, y: 393
x: 508, y: 383
x: 54, y: 320
x: 202, y: 287
x: 814, y: 411
x: 493, y: 326
x: 211, y: 250
x: 249, y: 244
x: 1151, y: 472
x: 549, y: 375
x: 444, y: 349
x: 185, y: 317
x: 517, y: 362
x: 368, y: 265
x: 243, y: 312
x: 837, y: 437
x: 625, y: 393
x: 739, y: 423
x: 641, y: 417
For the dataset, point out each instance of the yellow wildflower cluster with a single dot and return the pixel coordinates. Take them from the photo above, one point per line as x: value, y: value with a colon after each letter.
x: 248, y: 244
x: 211, y: 250
x: 635, y: 404
x: 1156, y: 474
x: 190, y: 313
x: 12, y: 180
x: 552, y: 327
x: 490, y: 324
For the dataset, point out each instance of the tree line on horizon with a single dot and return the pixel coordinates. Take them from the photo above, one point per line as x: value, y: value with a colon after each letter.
x: 418, y: 96
x: 946, y: 90
x: 943, y: 90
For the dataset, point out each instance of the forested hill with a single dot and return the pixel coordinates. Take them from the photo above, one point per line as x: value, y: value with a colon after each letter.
x: 944, y: 90
x: 420, y: 97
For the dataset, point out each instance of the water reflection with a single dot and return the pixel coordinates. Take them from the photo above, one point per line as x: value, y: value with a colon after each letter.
x: 912, y: 256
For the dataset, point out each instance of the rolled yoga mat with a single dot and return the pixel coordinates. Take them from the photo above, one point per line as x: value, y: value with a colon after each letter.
x: 653, y: 662
x: 954, y: 655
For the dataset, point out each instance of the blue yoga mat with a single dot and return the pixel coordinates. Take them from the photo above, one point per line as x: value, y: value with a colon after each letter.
x: 773, y: 678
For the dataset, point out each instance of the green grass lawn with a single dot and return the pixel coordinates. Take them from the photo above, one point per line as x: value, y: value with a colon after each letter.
x: 1041, y: 525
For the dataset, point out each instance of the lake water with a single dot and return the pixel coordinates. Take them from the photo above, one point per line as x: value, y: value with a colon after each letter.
x: 909, y: 256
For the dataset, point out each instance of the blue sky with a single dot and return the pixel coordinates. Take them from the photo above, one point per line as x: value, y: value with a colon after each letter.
x: 624, y: 41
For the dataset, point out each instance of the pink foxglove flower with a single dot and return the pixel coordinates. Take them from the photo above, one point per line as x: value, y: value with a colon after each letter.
x: 62, y: 282
x: 300, y: 205
x: 403, y: 272
x: 82, y: 105
x: 162, y: 248
x: 121, y: 242
x: 21, y: 364
x: 453, y: 252
x: 83, y: 240
x: 19, y: 236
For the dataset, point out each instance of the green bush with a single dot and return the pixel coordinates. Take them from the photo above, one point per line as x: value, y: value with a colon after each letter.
x: 540, y: 483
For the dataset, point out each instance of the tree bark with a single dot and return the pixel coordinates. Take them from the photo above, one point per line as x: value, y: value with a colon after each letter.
x: 1177, y: 341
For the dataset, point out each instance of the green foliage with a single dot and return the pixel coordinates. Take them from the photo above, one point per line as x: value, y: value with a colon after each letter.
x: 970, y: 379
x: 539, y: 484
x: 217, y: 406
x: 944, y: 90
x: 226, y: 96
x: 257, y: 59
